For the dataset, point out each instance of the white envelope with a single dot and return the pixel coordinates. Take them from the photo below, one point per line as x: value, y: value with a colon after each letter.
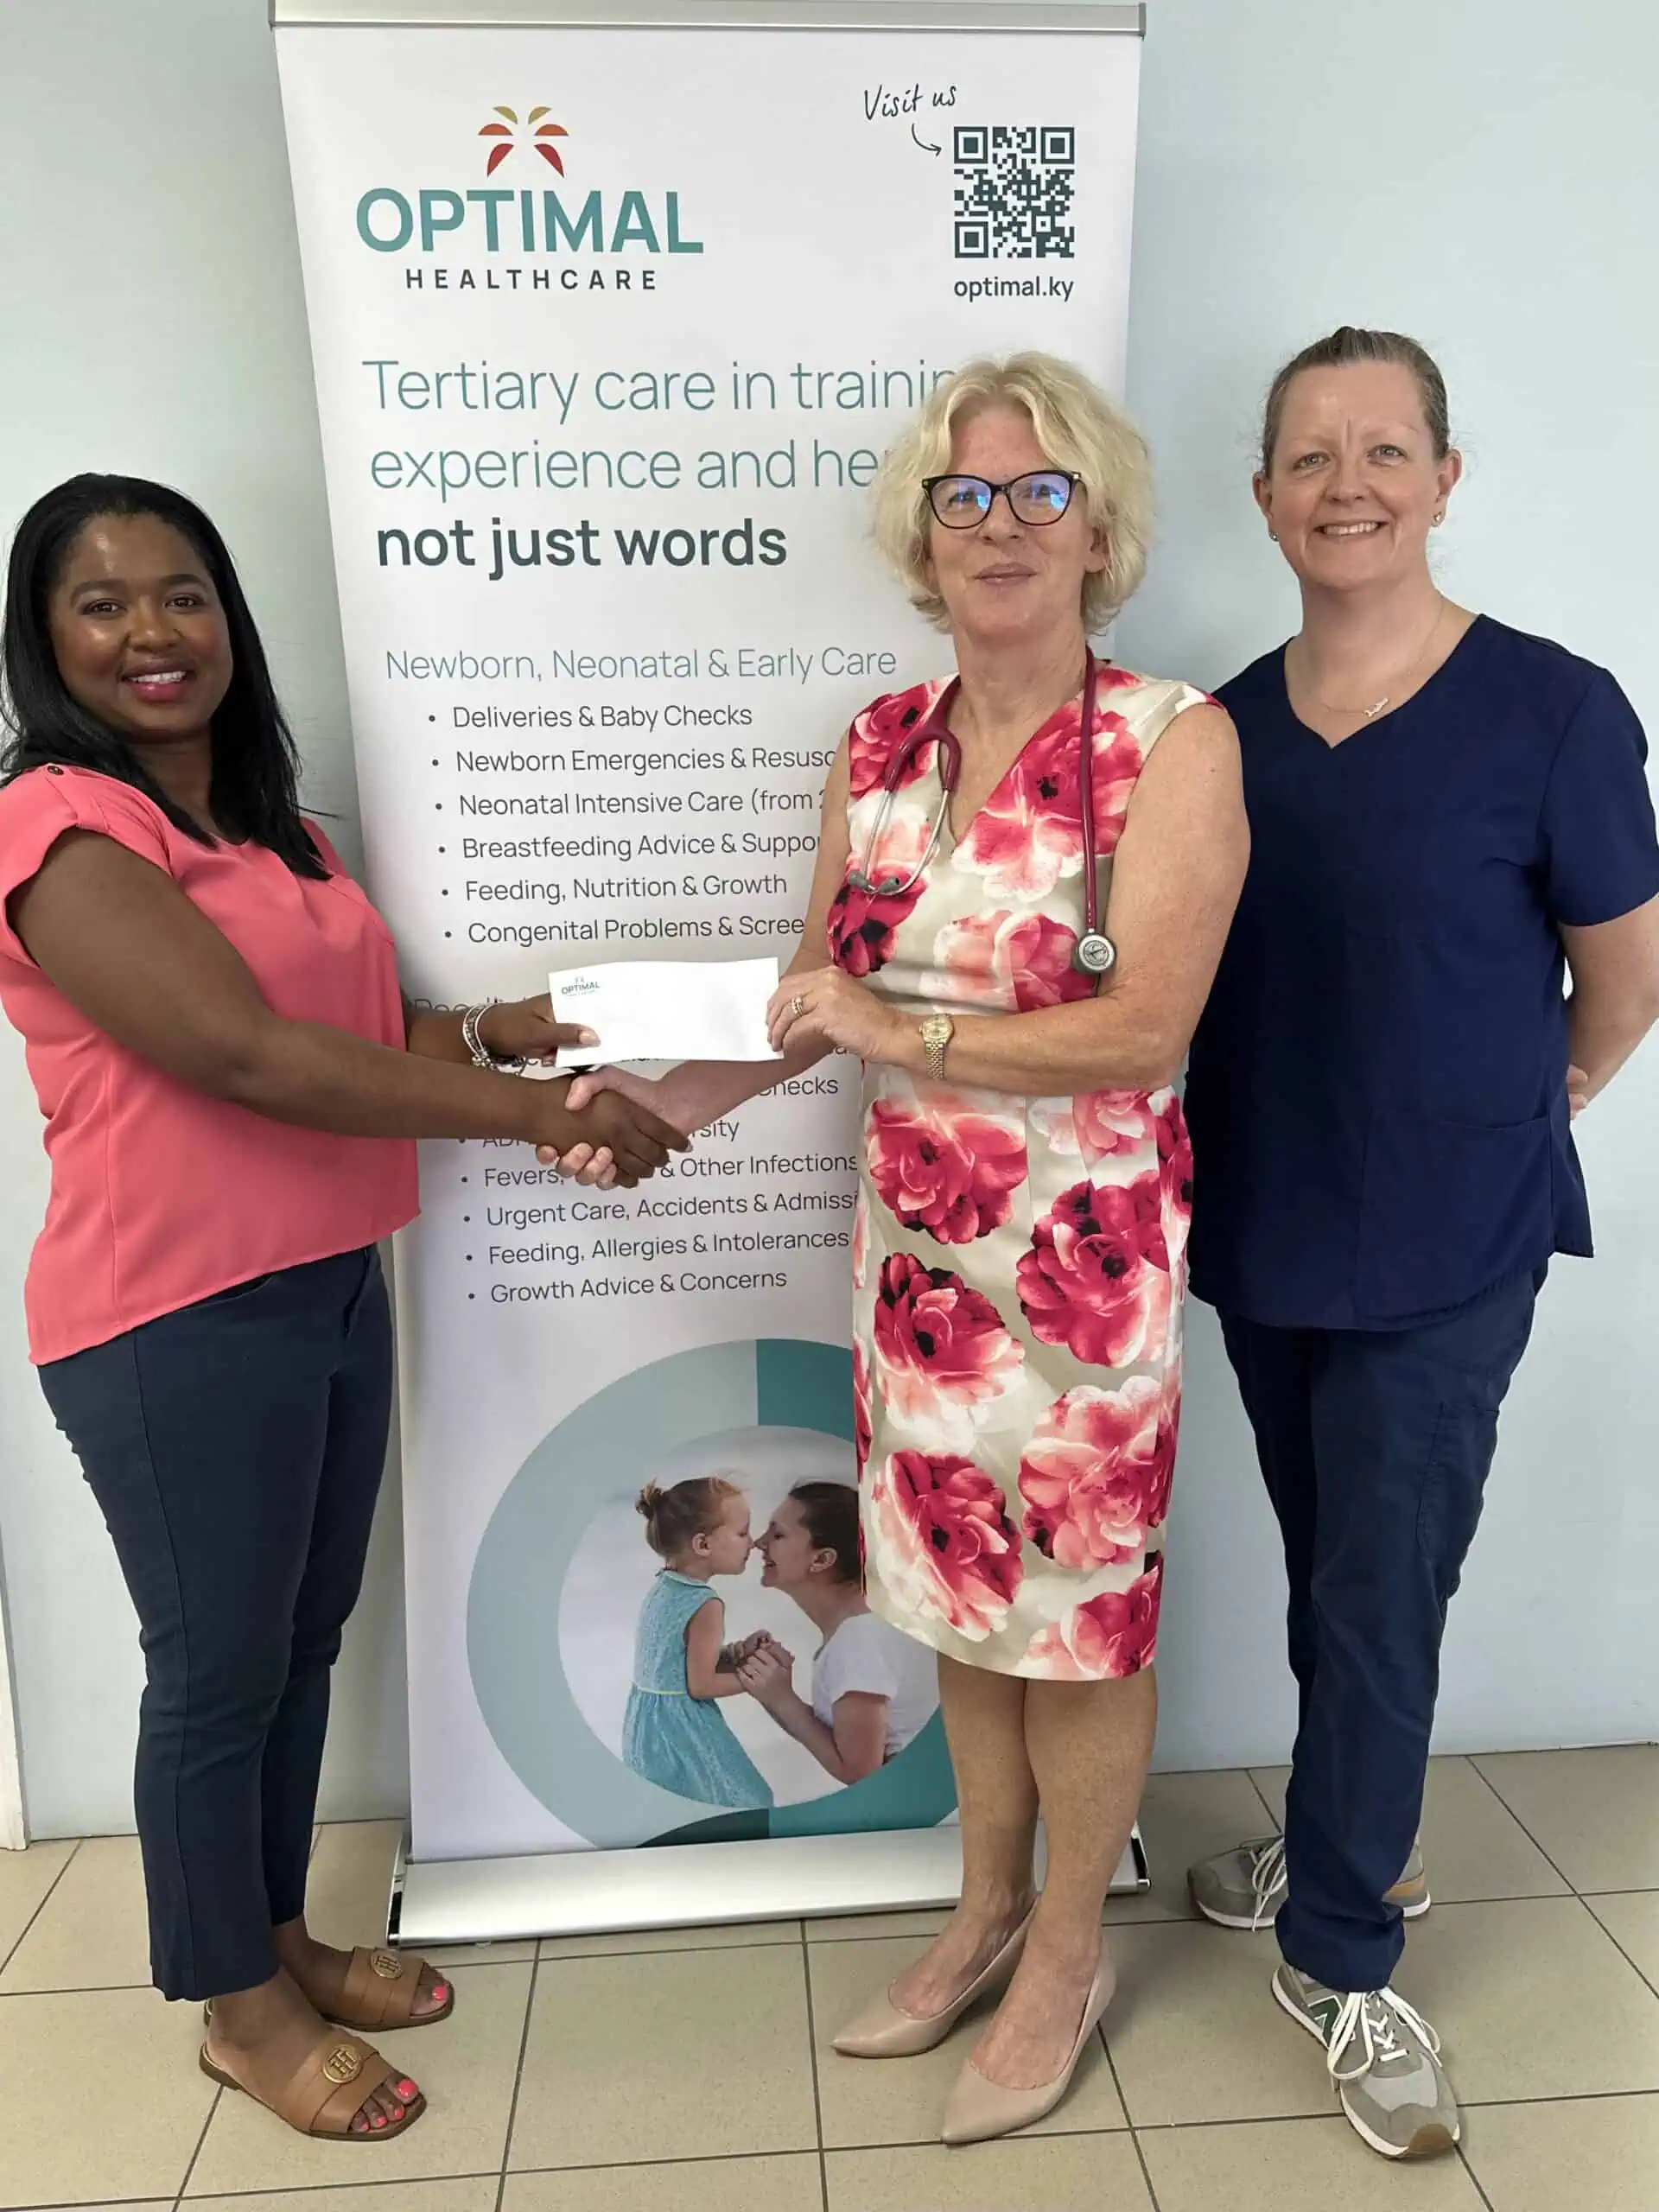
x: 667, y: 1009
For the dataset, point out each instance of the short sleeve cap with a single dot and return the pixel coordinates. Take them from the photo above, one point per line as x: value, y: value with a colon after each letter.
x: 858, y: 1658
x: 39, y: 807
x: 1600, y: 853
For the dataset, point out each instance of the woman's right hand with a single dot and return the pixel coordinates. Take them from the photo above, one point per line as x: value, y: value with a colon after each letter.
x: 667, y: 1098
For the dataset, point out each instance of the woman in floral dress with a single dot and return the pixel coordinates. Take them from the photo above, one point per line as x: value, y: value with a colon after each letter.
x: 1017, y: 1252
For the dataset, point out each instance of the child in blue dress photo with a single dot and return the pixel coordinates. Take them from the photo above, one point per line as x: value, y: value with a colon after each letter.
x: 675, y: 1733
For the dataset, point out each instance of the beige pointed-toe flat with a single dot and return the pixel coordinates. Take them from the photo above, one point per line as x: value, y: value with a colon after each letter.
x: 980, y: 2109
x: 881, y: 2031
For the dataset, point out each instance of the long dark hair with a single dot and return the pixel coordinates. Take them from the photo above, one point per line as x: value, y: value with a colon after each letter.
x: 830, y: 1515
x: 255, y: 760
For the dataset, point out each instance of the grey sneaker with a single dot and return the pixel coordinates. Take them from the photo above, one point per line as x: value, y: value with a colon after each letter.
x: 1385, y: 2061
x: 1244, y: 1888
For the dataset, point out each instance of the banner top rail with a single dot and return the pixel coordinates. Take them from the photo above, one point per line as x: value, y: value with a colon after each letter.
x: 1125, y: 18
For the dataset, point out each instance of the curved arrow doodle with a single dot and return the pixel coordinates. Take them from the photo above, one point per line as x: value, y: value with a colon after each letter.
x: 923, y: 143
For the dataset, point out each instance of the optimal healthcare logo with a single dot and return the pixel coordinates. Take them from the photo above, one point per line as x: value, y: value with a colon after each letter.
x: 497, y: 219
x: 506, y: 134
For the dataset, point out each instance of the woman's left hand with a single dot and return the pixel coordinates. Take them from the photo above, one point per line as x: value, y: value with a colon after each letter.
x: 523, y: 1029
x: 767, y: 1677
x: 826, y: 1007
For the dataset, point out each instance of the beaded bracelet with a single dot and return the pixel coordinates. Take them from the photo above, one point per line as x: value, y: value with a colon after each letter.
x: 482, y: 1056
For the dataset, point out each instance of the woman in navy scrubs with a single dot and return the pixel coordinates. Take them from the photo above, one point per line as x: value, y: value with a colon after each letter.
x: 1448, y: 820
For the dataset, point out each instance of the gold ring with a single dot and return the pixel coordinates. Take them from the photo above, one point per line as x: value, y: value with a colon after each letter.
x: 797, y: 1006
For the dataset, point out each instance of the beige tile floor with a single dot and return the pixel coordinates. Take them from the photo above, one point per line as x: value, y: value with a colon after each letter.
x: 690, y: 2071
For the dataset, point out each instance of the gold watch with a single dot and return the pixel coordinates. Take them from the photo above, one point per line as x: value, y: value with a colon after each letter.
x: 937, y: 1030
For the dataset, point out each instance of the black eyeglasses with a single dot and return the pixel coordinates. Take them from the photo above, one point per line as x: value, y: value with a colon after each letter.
x: 962, y: 502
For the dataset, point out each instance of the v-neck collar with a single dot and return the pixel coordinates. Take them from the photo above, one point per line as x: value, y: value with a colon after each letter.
x: 1366, y: 729
x: 942, y: 712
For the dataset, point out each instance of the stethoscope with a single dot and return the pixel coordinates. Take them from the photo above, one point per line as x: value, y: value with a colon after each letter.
x: 1093, y: 954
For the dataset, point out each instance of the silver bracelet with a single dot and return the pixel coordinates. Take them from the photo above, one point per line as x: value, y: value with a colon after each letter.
x: 482, y: 1056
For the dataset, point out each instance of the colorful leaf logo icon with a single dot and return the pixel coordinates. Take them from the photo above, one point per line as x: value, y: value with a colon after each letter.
x: 506, y: 135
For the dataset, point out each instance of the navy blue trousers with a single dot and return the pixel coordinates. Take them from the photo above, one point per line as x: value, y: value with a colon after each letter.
x: 235, y: 1448
x: 1375, y: 1447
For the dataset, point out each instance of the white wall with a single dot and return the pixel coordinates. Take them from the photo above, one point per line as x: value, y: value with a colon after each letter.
x: 1483, y: 174
x: 1475, y: 171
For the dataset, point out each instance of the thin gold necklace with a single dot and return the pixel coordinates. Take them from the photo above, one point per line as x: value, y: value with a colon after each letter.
x: 1370, y: 713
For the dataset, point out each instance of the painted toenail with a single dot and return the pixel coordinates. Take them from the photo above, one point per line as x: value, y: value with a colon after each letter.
x: 440, y: 1992
x: 379, y: 2121
x: 407, y: 2090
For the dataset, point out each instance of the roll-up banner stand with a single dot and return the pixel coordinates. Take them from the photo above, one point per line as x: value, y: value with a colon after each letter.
x: 612, y: 318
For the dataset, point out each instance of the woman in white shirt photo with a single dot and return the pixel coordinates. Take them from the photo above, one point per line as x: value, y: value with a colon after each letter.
x: 873, y: 1688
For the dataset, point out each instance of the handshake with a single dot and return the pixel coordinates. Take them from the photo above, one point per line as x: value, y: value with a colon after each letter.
x: 609, y: 1138
x: 605, y: 1129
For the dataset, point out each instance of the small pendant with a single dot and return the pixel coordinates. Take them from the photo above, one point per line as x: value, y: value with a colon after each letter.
x: 1371, y: 713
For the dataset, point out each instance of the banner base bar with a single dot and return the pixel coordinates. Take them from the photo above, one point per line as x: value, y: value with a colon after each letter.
x: 687, y: 1885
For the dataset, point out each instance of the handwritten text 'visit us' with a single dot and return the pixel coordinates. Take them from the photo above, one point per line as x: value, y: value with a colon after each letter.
x: 886, y: 103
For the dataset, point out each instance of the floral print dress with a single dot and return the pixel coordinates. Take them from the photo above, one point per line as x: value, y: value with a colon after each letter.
x: 1018, y: 1263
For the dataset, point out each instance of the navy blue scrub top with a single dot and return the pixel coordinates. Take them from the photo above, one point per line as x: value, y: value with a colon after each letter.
x: 1377, y: 1088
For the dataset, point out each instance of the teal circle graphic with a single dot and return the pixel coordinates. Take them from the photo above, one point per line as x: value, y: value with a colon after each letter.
x: 513, y: 1609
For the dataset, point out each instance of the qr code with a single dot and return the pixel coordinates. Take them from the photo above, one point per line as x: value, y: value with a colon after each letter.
x: 1013, y: 191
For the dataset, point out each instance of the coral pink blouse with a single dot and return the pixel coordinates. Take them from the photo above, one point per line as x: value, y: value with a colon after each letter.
x: 161, y: 1195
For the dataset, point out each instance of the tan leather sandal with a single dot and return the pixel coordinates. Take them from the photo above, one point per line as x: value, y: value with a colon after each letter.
x: 379, y: 1992
x: 327, y: 2091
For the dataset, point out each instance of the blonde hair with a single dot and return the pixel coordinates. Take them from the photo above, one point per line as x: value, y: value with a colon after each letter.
x: 1077, y: 426
x: 1349, y: 344
x: 674, y: 1516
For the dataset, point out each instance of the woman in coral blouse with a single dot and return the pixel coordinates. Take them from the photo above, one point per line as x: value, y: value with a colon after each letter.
x: 231, y: 1085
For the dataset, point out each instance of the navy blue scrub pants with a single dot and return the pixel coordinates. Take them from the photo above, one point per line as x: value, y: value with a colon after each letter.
x: 1375, y: 1446
x: 235, y: 1447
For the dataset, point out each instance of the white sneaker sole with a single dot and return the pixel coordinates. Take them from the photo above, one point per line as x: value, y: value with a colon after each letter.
x: 1250, y: 1926
x: 1432, y: 2142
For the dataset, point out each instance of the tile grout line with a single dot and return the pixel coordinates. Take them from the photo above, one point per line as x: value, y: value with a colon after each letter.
x: 190, y: 2167
x: 1647, y: 1980
x: 1463, y: 2160
x: 518, y: 2079
x: 290, y: 2188
x: 1589, y: 1908
x: 927, y: 2142
x: 50, y: 1891
x: 1578, y: 1894
x: 1249, y: 1773
x: 1568, y: 2097
x: 812, y: 2055
x: 119, y: 1988
x: 728, y: 2158
x: 1165, y: 1920
x: 1559, y: 1871
x: 1134, y: 2132
x: 1319, y: 2119
x: 667, y: 1951
x: 920, y: 2143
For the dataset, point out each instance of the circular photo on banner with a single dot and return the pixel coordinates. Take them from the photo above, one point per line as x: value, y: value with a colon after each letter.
x: 666, y: 1631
